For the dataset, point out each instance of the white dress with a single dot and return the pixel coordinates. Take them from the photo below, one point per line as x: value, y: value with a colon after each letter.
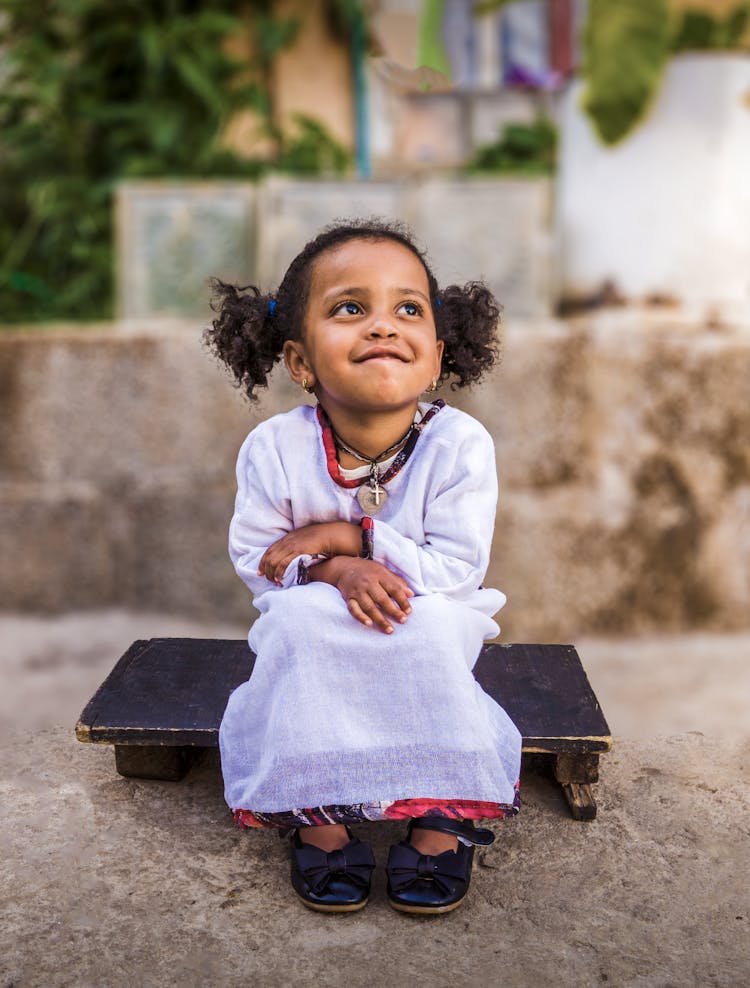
x: 337, y: 714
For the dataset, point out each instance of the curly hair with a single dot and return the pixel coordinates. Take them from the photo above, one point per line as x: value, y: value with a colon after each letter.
x: 251, y: 326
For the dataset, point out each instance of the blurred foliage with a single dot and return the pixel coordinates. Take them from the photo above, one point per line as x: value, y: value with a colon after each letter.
x: 312, y: 150
x: 521, y: 149
x: 626, y: 49
x: 430, y: 47
x: 93, y: 92
x: 627, y: 45
x: 699, y: 30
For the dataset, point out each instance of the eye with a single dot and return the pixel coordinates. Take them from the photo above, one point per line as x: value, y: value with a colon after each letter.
x: 347, y: 308
x: 410, y: 308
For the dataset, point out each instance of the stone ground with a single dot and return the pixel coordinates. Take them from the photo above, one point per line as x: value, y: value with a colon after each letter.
x: 113, y: 882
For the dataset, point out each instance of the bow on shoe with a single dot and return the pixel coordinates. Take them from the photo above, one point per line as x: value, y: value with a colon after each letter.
x: 318, y: 867
x: 407, y: 866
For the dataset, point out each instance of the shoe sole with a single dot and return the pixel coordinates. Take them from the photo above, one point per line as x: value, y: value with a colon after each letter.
x: 425, y: 910
x: 320, y: 908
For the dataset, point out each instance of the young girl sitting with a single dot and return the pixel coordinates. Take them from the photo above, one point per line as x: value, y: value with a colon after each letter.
x: 363, y: 528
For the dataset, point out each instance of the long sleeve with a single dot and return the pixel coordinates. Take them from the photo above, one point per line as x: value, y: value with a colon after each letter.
x: 437, y: 526
x: 459, y: 519
x: 262, y: 513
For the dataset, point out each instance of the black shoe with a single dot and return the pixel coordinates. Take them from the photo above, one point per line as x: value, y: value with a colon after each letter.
x: 431, y: 884
x: 332, y: 881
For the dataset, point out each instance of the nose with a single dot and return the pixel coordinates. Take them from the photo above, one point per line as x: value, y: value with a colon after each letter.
x: 381, y: 328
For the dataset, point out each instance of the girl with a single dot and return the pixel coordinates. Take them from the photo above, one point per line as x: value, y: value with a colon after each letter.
x: 363, y: 527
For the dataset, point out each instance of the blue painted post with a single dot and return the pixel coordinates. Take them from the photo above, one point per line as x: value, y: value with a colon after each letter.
x: 361, y: 116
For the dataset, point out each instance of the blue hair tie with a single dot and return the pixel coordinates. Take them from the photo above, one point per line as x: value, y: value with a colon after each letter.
x: 438, y: 301
x: 271, y: 306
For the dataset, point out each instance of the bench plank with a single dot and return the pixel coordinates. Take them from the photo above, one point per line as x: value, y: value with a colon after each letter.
x: 167, y: 691
x: 545, y: 690
x: 165, y: 698
x: 173, y: 691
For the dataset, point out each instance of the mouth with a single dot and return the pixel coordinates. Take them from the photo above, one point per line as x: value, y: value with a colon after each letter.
x: 381, y: 353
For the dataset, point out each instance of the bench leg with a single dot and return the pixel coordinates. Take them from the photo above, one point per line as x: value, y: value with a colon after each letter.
x: 144, y: 761
x: 576, y: 773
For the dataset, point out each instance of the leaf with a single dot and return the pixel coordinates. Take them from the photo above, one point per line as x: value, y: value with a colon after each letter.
x: 430, y: 49
x: 525, y: 149
x: 736, y: 25
x: 702, y: 30
x: 199, y: 81
x: 92, y: 91
x: 153, y: 54
x: 626, y: 49
x: 273, y: 35
x: 313, y: 150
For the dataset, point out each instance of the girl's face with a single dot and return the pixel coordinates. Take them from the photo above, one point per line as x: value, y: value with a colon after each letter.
x: 369, y: 342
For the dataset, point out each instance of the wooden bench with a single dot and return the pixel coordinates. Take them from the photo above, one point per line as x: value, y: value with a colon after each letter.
x: 164, y: 701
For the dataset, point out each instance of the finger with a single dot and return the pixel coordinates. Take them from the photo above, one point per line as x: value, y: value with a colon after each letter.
x: 397, y: 587
x: 387, y: 604
x: 372, y: 615
x: 272, y: 553
x: 374, y: 611
x: 396, y: 590
x: 268, y: 569
x: 281, y: 568
x: 393, y: 581
x: 356, y: 612
x: 269, y: 561
x: 402, y: 600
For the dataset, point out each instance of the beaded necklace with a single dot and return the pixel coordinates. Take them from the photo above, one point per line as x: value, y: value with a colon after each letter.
x: 372, y: 495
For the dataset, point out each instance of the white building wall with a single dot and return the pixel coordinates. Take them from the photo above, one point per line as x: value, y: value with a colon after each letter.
x: 667, y: 211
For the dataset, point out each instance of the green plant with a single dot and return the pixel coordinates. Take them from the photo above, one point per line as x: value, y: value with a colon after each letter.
x: 627, y: 45
x: 93, y: 92
x: 698, y: 29
x: 431, y: 50
x: 521, y: 149
x: 311, y: 150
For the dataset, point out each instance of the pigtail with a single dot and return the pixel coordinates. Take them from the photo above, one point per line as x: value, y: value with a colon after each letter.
x: 467, y: 318
x: 245, y: 335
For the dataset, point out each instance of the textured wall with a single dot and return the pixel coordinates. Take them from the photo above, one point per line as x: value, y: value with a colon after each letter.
x: 173, y: 236
x: 622, y: 444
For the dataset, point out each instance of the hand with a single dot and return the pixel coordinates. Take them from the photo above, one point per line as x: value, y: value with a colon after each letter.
x: 372, y: 592
x: 335, y: 538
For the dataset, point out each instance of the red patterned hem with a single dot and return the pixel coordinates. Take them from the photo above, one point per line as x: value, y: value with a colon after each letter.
x: 400, y: 809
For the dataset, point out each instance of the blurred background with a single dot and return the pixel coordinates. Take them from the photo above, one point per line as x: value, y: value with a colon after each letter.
x: 589, y: 160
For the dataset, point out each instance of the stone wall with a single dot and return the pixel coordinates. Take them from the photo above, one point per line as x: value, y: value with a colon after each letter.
x: 172, y: 236
x: 622, y: 445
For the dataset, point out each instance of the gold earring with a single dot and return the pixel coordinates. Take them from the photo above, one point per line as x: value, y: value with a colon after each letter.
x: 306, y: 386
x: 433, y: 386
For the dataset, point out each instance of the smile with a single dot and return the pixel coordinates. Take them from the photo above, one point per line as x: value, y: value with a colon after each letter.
x: 381, y: 353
